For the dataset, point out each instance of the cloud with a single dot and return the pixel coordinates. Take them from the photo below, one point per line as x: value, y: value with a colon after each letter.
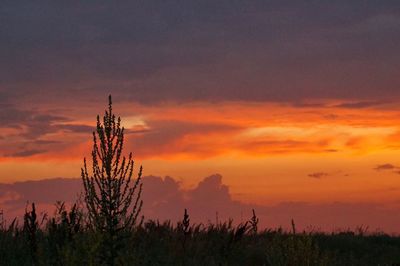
x: 358, y: 105
x: 25, y: 153
x: 387, y: 166
x: 29, y: 132
x: 203, y: 130
x: 44, y: 191
x: 164, y: 198
x: 318, y: 175
x: 30, y: 123
x: 75, y: 128
x: 331, y: 150
x: 208, y: 51
x: 20, y: 148
x: 163, y: 54
x: 188, y: 138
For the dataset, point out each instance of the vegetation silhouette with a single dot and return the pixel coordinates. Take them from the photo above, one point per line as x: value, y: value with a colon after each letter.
x: 112, y: 197
x: 104, y: 228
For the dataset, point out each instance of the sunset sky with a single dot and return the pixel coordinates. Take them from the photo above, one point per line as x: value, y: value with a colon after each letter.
x: 289, y: 102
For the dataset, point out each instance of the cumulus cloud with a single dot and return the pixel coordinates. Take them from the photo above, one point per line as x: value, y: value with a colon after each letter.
x: 164, y: 198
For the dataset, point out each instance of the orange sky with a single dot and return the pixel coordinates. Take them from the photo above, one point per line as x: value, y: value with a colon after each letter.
x: 288, y: 101
x: 267, y: 153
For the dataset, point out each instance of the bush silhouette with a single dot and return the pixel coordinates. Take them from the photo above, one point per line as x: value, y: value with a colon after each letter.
x: 112, y: 197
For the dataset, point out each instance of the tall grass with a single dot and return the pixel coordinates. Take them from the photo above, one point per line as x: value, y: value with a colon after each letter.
x: 66, y: 239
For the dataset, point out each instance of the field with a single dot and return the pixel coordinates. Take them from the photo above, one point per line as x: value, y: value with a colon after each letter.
x: 67, y: 239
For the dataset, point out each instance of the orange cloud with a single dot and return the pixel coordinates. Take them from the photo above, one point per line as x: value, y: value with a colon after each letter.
x: 275, y: 145
x: 204, y: 130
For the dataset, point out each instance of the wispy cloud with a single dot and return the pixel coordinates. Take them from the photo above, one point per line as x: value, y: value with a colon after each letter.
x: 359, y: 105
x: 204, y: 130
x: 25, y: 153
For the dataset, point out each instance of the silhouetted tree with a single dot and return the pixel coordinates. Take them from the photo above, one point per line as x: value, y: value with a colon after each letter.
x: 112, y: 197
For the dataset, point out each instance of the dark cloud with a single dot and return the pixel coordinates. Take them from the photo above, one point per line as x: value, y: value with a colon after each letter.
x: 32, y: 123
x: 25, y: 153
x: 164, y: 198
x: 44, y: 191
x: 318, y: 175
x: 387, y: 166
x: 182, y: 51
x: 358, y: 105
x: 32, y: 129
x: 25, y: 132
x: 211, y: 196
x: 331, y: 150
x: 26, y: 148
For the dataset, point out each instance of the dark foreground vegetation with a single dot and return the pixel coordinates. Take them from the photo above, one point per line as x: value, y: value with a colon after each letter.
x: 67, y: 239
x: 107, y: 229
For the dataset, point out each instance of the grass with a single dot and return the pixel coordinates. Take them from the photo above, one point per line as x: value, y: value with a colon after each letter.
x: 66, y: 239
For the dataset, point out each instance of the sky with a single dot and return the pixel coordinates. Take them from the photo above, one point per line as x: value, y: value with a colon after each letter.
x: 289, y: 107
